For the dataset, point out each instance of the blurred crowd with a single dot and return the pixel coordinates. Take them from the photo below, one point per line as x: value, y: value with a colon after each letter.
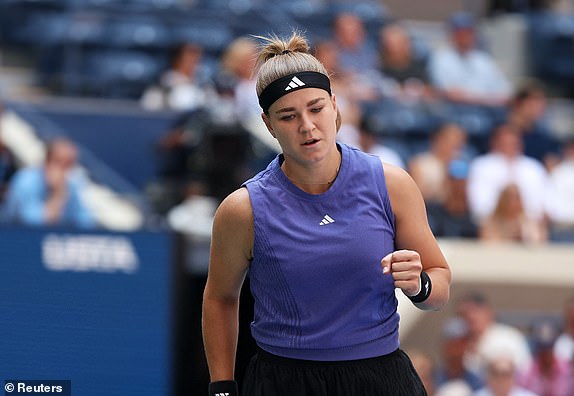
x: 513, y: 182
x: 482, y: 356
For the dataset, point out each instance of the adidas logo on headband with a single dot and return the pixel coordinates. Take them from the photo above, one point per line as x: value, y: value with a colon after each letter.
x: 294, y: 83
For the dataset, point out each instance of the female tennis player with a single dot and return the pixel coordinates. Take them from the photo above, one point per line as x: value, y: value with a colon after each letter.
x: 327, y: 234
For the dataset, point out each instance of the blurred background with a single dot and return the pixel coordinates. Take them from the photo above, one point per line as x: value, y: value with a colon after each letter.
x: 124, y: 123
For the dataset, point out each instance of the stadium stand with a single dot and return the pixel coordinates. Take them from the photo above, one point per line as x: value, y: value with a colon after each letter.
x: 116, y: 202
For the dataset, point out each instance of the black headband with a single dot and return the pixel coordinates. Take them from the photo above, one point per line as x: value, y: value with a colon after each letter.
x: 290, y: 83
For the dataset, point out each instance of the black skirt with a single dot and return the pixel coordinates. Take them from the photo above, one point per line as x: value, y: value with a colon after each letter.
x: 391, y: 374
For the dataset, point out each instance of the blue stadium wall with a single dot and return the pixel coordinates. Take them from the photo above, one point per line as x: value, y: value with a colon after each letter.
x: 93, y: 308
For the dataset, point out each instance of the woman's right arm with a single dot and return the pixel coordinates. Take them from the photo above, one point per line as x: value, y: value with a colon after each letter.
x: 231, y: 252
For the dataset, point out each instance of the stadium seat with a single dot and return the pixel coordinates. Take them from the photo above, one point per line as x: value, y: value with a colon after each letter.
x: 43, y: 29
x: 137, y: 32
x: 212, y: 35
x: 35, y: 5
x: 313, y: 19
x: 478, y: 121
x: 263, y: 20
x: 392, y: 118
x: 86, y: 29
x: 373, y: 13
x: 116, y: 73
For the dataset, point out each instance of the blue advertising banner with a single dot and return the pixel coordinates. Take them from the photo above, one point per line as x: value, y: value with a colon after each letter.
x: 94, y: 309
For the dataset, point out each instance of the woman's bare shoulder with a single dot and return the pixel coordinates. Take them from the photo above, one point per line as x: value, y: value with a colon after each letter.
x: 232, y: 235
x: 236, y: 208
x: 402, y: 189
x: 397, y: 178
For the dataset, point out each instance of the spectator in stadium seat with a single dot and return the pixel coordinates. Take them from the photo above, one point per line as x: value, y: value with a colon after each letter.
x: 424, y: 366
x: 455, y: 335
x: 237, y: 64
x: 464, y: 73
x: 355, y: 53
x: 527, y: 114
x: 509, y: 223
x: 177, y: 158
x: 564, y: 345
x: 356, y: 58
x: 561, y: 196
x: 406, y: 75
x: 182, y: 86
x: 451, y: 218
x: 503, y: 164
x: 488, y: 338
x: 50, y: 194
x: 430, y: 168
x: 366, y: 139
x: 501, y: 379
x: 353, y: 87
x: 548, y: 375
x: 236, y: 68
x: 370, y: 143
x: 194, y: 215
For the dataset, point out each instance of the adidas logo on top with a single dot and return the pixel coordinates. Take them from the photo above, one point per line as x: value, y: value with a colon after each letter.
x: 326, y: 220
x: 294, y: 83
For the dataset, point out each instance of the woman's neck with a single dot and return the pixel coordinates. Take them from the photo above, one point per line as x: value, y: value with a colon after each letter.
x: 314, y: 180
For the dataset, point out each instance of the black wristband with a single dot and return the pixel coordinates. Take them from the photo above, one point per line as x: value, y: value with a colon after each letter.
x: 223, y: 388
x: 426, y: 288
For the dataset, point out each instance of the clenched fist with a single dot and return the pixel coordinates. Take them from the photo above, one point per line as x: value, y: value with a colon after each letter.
x: 405, y: 266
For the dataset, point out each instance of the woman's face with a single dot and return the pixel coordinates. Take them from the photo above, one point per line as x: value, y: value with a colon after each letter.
x: 304, y: 124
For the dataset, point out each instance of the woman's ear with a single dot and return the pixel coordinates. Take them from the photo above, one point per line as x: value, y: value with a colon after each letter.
x: 338, y: 119
x: 265, y: 119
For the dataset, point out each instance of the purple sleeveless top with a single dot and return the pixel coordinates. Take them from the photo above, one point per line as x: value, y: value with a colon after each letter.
x: 316, y: 275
